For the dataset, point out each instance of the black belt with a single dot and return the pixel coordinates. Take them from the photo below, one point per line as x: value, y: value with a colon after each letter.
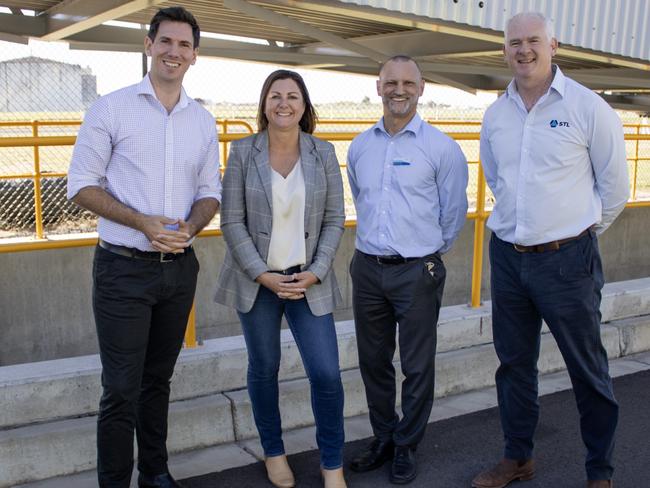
x: 390, y: 259
x: 549, y: 246
x: 129, y: 252
x: 288, y: 271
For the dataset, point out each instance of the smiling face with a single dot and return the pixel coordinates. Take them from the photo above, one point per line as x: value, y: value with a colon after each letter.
x: 400, y: 85
x: 172, y: 52
x: 528, y: 50
x: 284, y: 105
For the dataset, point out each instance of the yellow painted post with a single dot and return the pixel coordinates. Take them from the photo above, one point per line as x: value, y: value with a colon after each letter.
x: 190, y: 331
x: 636, y: 163
x: 38, y: 208
x: 224, y: 145
x: 479, y: 232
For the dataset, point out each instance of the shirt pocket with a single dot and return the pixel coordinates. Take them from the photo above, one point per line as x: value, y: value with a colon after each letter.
x: 409, y: 173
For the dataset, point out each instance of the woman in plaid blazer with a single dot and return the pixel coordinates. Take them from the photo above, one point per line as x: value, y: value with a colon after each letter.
x: 282, y: 218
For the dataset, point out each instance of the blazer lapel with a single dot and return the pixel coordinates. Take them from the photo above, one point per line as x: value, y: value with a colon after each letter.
x: 261, y: 158
x: 308, y: 159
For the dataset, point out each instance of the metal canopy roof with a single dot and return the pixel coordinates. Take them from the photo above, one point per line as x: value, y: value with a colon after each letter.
x: 347, y: 35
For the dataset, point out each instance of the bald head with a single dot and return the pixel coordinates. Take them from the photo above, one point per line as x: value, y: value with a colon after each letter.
x: 400, y: 58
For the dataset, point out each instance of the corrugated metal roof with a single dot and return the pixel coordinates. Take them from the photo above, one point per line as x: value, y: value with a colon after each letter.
x: 215, y: 17
x: 611, y: 26
x: 458, y: 41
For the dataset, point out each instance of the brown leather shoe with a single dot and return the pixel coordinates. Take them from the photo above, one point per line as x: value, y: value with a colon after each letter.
x: 279, y: 472
x: 504, y: 472
x: 600, y: 484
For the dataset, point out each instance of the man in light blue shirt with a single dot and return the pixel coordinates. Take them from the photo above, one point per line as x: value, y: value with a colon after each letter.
x: 409, y: 182
x: 554, y: 156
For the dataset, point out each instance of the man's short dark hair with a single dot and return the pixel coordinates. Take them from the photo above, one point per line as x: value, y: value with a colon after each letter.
x: 174, y: 14
x: 402, y: 58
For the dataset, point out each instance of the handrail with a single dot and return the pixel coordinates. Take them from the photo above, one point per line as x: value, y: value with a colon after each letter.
x: 479, y: 215
x: 225, y: 123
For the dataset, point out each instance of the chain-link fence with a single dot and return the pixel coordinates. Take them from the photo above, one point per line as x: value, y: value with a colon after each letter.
x: 638, y: 154
x: 45, y: 89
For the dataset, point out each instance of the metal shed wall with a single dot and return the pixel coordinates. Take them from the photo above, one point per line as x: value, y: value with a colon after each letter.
x: 611, y: 26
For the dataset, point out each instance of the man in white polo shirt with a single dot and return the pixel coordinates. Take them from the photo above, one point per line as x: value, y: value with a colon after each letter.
x: 554, y: 156
x: 147, y: 162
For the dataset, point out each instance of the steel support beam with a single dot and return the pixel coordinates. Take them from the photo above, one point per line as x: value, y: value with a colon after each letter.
x: 302, y: 28
x: 326, y: 37
x: 21, y: 25
x: 72, y: 17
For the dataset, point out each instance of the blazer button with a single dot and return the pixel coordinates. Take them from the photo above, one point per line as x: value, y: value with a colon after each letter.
x: 306, y: 235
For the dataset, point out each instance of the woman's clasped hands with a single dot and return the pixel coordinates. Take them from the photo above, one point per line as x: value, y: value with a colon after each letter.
x: 289, y: 287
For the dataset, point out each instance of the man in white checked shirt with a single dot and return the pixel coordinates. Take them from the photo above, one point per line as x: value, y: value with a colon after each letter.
x: 146, y: 161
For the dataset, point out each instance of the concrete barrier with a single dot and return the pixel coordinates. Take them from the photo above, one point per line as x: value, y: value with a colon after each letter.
x: 48, y: 415
x: 70, y: 387
x: 45, y: 296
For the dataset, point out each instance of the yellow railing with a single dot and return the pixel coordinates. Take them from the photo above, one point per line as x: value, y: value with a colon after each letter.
x: 479, y: 215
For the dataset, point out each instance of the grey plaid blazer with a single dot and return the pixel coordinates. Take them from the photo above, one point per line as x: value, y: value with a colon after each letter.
x: 246, y: 219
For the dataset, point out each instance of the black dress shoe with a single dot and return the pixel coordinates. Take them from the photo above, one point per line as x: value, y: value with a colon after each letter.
x: 373, y: 456
x: 164, y: 480
x: 404, y: 470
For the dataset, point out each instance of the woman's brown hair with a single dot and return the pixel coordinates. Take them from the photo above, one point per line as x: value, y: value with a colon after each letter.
x: 309, y: 118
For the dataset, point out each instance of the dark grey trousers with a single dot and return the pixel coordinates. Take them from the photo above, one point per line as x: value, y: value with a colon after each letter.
x: 384, y: 295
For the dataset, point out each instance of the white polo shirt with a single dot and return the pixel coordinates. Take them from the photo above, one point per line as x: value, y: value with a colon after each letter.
x: 556, y: 170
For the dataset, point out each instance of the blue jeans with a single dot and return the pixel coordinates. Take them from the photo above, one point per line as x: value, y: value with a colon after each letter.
x: 316, y: 341
x: 562, y: 287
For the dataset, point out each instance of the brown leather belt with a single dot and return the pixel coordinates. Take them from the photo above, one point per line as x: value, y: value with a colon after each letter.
x: 549, y: 246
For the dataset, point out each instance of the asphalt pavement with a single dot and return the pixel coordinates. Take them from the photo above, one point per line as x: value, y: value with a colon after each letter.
x: 454, y: 450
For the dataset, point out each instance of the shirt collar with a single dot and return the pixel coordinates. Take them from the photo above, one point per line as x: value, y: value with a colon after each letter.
x: 413, y: 126
x: 558, y: 84
x: 146, y: 88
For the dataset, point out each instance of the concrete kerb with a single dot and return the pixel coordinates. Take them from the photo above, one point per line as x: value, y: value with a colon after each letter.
x: 241, y: 453
x: 215, y: 376
x: 70, y: 387
x: 219, y: 419
x: 64, y: 447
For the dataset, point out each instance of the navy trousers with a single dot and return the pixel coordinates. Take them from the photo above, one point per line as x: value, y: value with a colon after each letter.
x: 562, y: 287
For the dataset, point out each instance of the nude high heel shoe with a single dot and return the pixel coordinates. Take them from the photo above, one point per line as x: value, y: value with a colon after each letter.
x: 279, y: 472
x: 333, y: 478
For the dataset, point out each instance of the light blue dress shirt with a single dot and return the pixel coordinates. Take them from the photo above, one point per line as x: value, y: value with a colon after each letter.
x: 556, y: 170
x: 155, y: 162
x: 409, y: 189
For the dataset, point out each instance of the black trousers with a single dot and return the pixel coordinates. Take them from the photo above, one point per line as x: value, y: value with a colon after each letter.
x: 141, y: 309
x: 385, y: 295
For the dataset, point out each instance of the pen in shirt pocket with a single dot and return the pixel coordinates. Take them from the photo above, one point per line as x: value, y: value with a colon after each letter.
x: 401, y: 162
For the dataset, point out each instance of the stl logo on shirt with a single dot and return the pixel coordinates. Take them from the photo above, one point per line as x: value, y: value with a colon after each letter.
x: 555, y: 123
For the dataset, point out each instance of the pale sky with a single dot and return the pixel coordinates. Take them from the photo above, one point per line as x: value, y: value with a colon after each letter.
x: 225, y: 80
